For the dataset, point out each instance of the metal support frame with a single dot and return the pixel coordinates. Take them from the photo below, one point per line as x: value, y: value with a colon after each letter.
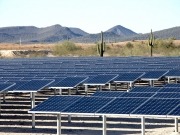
x: 176, y: 124
x: 32, y: 96
x: 58, y: 124
x: 142, y: 125
x: 104, y: 125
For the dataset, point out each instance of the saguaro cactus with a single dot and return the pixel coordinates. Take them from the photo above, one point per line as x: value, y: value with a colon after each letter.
x: 151, y: 41
x: 101, y: 46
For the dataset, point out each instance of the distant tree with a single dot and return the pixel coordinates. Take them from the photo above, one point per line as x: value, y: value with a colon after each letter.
x: 130, y: 46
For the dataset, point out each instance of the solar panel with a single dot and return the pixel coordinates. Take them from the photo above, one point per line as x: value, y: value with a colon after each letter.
x: 167, y: 95
x: 55, y: 104
x: 122, y: 105
x: 177, y: 85
x: 107, y: 94
x: 33, y: 86
x: 87, y: 105
x: 153, y: 75
x: 164, y: 89
x: 100, y: 80
x: 69, y: 82
x: 5, y: 86
x: 128, y: 77
x: 173, y: 73
x: 157, y: 106
x: 175, y: 111
x: 18, y: 83
x: 145, y: 89
x: 56, y: 81
x: 137, y: 94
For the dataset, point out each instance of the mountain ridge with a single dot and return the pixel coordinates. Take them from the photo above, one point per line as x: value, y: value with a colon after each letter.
x: 58, y: 33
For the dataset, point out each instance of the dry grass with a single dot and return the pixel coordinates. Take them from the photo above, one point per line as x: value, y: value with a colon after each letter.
x: 140, y: 48
x: 10, y: 46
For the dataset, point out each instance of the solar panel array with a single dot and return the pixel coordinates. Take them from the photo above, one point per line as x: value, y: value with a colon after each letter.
x: 150, y: 106
x: 35, y: 74
x: 127, y: 69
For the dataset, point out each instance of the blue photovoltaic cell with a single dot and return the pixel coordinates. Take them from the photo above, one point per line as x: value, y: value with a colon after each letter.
x: 70, y: 82
x: 122, y: 105
x: 128, y: 77
x: 107, y: 94
x: 56, y: 103
x: 88, y: 105
x: 168, y: 89
x: 167, y: 95
x: 12, y: 78
x: 173, y: 85
x: 101, y: 79
x: 153, y: 75
x: 56, y: 81
x: 5, y: 86
x: 18, y: 84
x: 34, y: 85
x: 145, y: 89
x: 157, y: 106
x: 173, y: 73
x: 137, y: 94
x: 176, y: 111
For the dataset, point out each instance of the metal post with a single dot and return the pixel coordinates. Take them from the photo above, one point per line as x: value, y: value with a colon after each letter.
x: 176, y: 80
x: 128, y: 86
x: 176, y: 124
x: 0, y: 105
x: 168, y: 80
x: 77, y: 90
x: 100, y: 88
x: 104, y: 125
x: 115, y: 86
x: 69, y: 118
x: 69, y: 91
x: 32, y: 95
x: 86, y: 90
x: 4, y: 97
x: 142, y: 125
x: 60, y: 91
x: 58, y: 124
x: 110, y: 86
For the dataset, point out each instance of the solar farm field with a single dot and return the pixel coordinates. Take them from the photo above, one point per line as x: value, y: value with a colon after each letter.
x: 90, y: 95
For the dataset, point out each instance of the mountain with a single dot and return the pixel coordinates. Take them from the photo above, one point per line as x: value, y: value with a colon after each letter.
x: 33, y: 34
x: 121, y: 31
x: 162, y: 34
x: 57, y: 33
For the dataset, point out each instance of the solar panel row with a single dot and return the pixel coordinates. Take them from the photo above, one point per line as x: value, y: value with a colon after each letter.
x: 104, y: 105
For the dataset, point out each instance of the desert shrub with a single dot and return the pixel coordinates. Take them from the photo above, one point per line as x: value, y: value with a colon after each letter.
x: 66, y: 48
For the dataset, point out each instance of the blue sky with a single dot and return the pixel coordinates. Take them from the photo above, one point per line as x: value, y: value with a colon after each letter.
x: 92, y: 16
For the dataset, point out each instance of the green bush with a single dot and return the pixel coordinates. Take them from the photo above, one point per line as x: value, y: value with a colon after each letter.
x: 66, y: 48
